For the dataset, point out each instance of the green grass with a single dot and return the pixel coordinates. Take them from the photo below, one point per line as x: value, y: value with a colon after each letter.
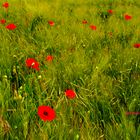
x: 104, y: 71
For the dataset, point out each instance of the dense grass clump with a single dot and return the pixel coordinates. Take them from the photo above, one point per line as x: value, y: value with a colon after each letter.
x: 78, y: 58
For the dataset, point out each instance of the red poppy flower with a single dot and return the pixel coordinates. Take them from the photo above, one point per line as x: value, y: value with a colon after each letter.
x: 84, y: 21
x: 6, y: 4
x: 132, y: 113
x: 32, y: 63
x: 46, y: 113
x: 70, y: 94
x: 51, y: 23
x: 11, y: 26
x: 110, y: 11
x: 2, y: 21
x: 92, y: 27
x: 137, y: 45
x: 127, y: 17
x: 49, y: 58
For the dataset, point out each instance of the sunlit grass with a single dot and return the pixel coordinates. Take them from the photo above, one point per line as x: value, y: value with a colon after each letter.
x: 101, y: 66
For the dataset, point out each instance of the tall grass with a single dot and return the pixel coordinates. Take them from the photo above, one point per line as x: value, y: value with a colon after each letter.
x: 103, y: 70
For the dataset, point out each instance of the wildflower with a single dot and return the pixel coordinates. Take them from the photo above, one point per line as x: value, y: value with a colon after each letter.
x: 51, y: 23
x: 39, y: 77
x: 70, y: 94
x: 84, y: 21
x: 2, y: 21
x: 6, y: 4
x: 49, y: 58
x: 127, y: 17
x: 20, y: 97
x: 137, y: 45
x: 5, y: 76
x: 32, y: 63
x: 110, y: 11
x: 93, y: 27
x: 46, y: 113
x: 11, y: 26
x: 132, y: 113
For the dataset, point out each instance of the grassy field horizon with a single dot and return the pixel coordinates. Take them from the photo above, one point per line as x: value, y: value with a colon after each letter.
x: 69, y: 70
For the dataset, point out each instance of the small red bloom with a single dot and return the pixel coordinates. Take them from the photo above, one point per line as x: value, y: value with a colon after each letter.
x: 51, y: 23
x: 2, y: 21
x: 92, y: 27
x: 11, y: 26
x: 49, y: 58
x: 84, y: 21
x: 132, y: 113
x: 137, y: 45
x: 70, y: 94
x: 6, y: 4
x: 46, y: 113
x: 110, y: 11
x: 32, y: 63
x: 127, y: 17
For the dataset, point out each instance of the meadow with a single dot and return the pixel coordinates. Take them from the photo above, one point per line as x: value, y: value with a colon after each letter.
x: 70, y: 70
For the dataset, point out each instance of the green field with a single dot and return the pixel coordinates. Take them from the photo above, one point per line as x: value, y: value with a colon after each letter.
x: 101, y: 66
